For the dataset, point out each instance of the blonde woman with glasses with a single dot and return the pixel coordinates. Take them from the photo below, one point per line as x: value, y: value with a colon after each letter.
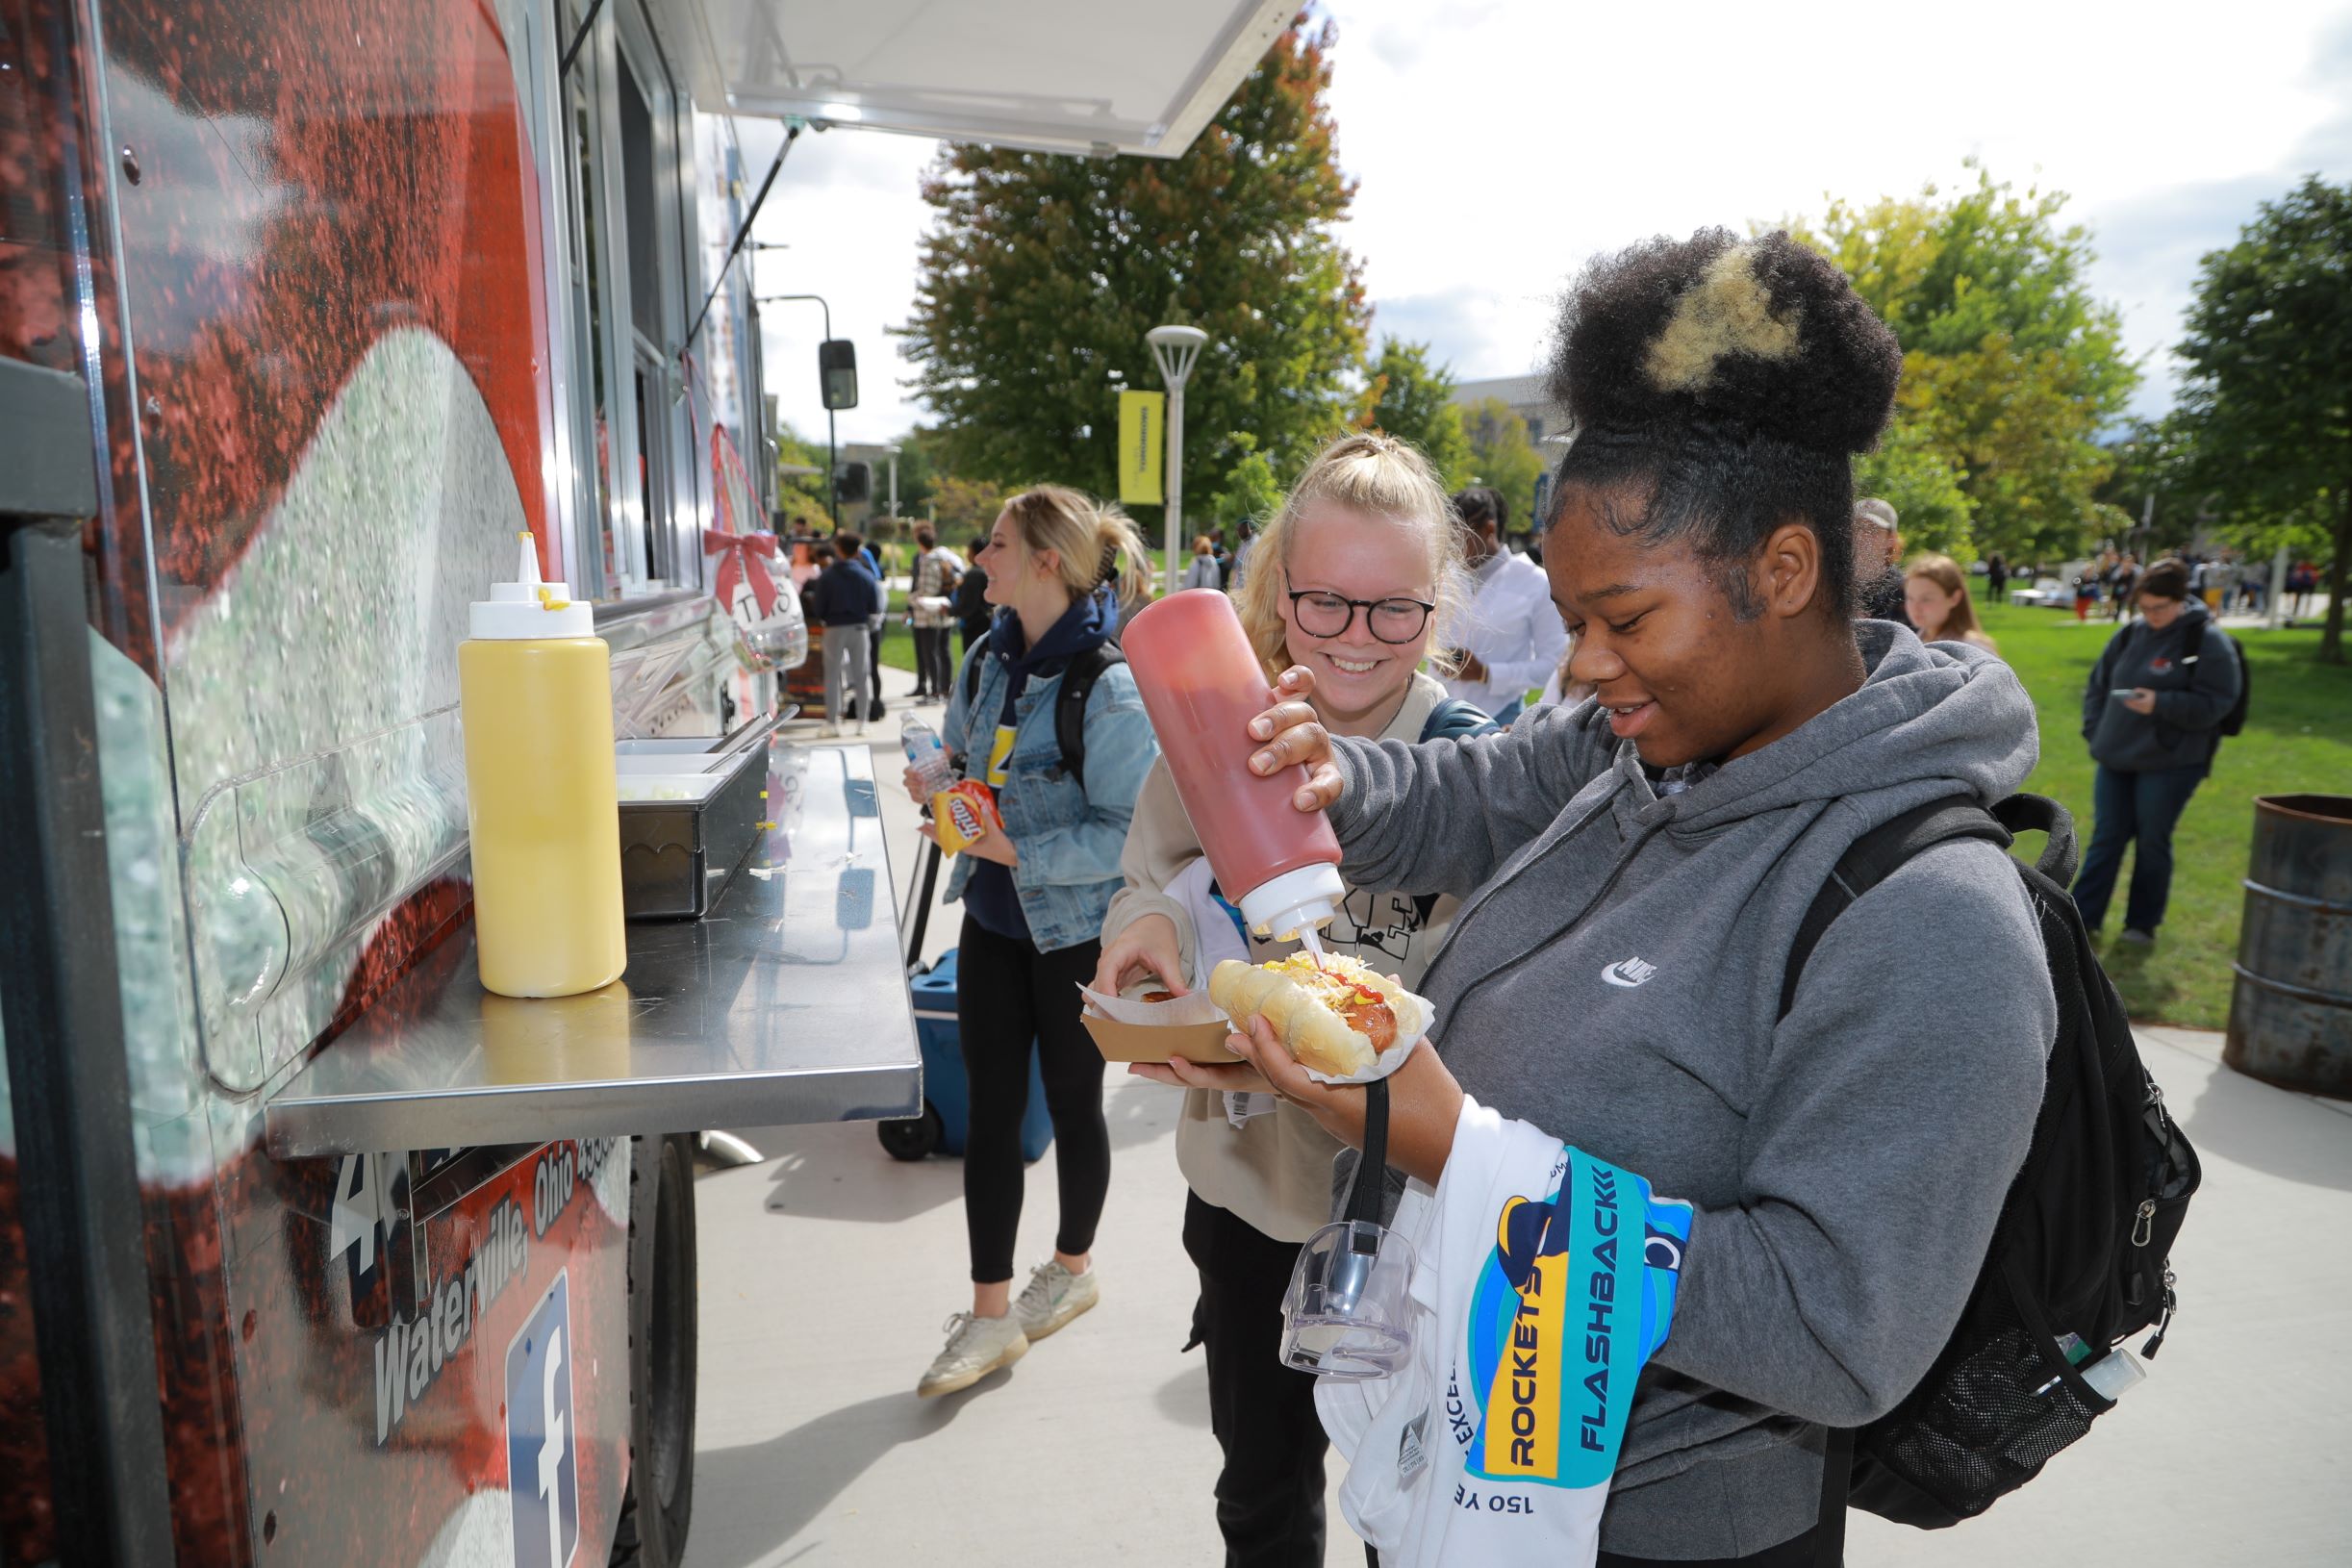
x: 1356, y: 579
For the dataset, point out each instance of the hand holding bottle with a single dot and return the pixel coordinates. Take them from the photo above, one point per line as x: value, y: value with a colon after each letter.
x: 1295, y: 736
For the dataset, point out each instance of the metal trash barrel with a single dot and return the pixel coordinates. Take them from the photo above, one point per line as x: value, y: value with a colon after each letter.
x: 2291, y: 1013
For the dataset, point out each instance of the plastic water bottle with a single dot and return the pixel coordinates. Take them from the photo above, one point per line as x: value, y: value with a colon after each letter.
x: 926, y: 756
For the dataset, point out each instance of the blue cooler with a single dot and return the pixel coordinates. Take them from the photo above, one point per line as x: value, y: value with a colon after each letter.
x: 947, y: 1104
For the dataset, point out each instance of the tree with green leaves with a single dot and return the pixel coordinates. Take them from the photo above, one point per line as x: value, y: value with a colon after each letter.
x: 1041, y: 275
x: 1503, y: 458
x: 2010, y: 367
x: 800, y: 494
x: 1912, y: 474
x: 1412, y: 399
x: 2148, y: 481
x: 964, y: 507
x: 2267, y: 390
x: 1251, y: 489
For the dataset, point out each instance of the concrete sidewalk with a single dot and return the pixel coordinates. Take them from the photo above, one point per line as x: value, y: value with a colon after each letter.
x: 828, y: 1269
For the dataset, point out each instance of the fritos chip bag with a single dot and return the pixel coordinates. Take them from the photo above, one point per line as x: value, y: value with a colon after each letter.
x: 964, y: 812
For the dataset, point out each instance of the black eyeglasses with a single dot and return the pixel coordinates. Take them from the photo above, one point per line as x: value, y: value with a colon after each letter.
x: 1329, y: 615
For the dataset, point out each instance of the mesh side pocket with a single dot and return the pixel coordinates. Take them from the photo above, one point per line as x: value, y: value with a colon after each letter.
x: 1999, y: 1402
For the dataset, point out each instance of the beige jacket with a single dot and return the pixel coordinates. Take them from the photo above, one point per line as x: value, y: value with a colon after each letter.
x: 1274, y: 1169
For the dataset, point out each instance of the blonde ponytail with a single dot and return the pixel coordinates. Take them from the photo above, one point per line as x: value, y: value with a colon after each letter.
x: 1094, y: 541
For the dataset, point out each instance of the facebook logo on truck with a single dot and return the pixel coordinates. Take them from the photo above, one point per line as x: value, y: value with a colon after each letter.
x: 542, y: 1473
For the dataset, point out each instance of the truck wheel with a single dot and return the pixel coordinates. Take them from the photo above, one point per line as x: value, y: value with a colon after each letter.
x: 662, y: 1335
x: 912, y: 1138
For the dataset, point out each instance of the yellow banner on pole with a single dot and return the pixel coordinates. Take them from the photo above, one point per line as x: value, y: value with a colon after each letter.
x: 1143, y: 447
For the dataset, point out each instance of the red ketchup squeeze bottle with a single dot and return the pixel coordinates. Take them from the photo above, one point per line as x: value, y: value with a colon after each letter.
x: 1201, y: 684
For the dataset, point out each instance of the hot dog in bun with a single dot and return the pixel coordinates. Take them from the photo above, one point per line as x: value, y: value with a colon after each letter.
x: 1336, y: 1018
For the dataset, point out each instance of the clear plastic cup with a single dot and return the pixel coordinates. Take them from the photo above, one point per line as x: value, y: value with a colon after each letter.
x: 1347, y: 1314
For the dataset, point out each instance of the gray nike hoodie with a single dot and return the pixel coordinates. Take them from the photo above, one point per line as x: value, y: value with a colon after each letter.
x: 1613, y: 978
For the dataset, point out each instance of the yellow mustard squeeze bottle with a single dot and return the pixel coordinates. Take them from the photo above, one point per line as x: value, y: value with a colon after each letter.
x: 535, y: 700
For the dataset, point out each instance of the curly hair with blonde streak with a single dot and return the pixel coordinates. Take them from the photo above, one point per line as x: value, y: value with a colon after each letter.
x: 1378, y: 480
x: 1095, y: 542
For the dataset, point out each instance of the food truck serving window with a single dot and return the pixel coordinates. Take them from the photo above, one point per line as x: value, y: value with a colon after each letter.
x: 628, y: 311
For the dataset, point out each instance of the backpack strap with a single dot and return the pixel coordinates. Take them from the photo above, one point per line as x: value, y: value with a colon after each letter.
x: 973, y: 657
x: 1078, y: 677
x: 1874, y: 857
x: 1454, y: 719
x: 2023, y: 813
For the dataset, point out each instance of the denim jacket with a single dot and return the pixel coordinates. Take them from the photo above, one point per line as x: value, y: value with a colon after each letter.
x: 1069, y: 837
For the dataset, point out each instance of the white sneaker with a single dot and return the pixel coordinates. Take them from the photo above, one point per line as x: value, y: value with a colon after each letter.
x: 1053, y: 1296
x: 976, y: 1348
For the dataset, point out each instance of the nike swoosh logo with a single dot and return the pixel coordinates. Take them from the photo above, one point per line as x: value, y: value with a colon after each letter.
x: 1628, y: 972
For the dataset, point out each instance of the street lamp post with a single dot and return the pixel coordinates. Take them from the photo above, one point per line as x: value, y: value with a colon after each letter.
x: 1175, y: 348
x: 832, y: 447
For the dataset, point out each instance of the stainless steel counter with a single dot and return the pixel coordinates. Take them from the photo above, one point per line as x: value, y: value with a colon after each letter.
x: 787, y: 1003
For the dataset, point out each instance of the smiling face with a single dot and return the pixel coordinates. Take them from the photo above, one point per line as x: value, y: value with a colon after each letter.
x: 1359, y: 679
x: 1019, y: 578
x: 1683, y: 676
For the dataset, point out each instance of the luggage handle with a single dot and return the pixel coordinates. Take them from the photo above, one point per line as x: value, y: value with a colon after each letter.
x: 928, y: 876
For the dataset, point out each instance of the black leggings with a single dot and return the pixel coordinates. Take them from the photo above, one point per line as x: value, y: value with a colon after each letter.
x: 1270, y: 1491
x: 934, y: 665
x: 1007, y: 994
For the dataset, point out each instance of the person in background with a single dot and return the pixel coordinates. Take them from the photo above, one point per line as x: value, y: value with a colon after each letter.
x: 1360, y: 572
x: 1511, y: 639
x: 1248, y: 530
x: 2302, y: 578
x: 848, y: 601
x: 1034, y: 896
x: 971, y: 609
x: 1935, y: 598
x: 2151, y: 715
x: 1996, y: 579
x: 870, y: 561
x: 930, y: 601
x: 1202, y: 570
x: 2121, y: 582
x: 2085, y: 592
x: 1878, y: 548
x: 821, y: 555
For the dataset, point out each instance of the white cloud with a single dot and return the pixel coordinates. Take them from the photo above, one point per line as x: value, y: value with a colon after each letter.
x: 1498, y: 146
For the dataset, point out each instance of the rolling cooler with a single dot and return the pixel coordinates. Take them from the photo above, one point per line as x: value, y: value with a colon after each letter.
x: 947, y: 1104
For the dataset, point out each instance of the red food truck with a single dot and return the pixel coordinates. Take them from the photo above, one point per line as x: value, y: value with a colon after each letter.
x: 311, y: 1252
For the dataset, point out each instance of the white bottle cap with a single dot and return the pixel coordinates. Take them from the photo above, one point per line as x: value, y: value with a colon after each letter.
x: 1302, y: 899
x: 529, y: 608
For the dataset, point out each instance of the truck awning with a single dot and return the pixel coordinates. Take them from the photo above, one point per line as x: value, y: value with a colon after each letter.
x: 1072, y: 76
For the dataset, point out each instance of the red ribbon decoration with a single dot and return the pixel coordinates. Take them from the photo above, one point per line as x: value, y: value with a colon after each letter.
x: 743, y: 556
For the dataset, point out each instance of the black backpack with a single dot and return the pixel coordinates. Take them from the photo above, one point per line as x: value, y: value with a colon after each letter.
x: 1078, y: 677
x: 2233, y: 722
x: 2082, y: 1243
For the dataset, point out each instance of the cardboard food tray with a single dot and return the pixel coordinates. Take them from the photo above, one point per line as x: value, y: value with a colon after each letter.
x: 1157, y: 1031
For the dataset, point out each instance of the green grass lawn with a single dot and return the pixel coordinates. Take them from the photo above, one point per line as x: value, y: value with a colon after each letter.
x: 2298, y: 736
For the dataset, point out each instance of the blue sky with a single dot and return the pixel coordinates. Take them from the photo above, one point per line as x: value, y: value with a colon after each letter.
x: 1498, y: 145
